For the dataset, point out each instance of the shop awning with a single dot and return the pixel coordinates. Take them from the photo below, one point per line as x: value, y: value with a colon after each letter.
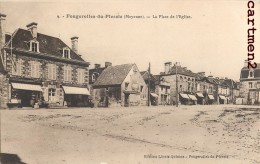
x: 199, y: 95
x: 192, y: 97
x: 185, y: 96
x: 154, y: 95
x: 222, y: 97
x: 75, y: 90
x: 29, y: 87
x: 211, y: 97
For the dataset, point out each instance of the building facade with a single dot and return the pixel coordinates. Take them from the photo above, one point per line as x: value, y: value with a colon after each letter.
x: 120, y: 85
x: 162, y: 89
x: 250, y: 84
x: 185, y: 89
x: 43, y: 70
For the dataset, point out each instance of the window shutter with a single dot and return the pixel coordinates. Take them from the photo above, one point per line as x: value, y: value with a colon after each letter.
x: 69, y: 73
x: 54, y: 72
x: 49, y: 71
x: 37, y: 65
x: 32, y: 68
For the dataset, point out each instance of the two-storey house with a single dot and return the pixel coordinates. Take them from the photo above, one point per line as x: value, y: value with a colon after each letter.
x: 185, y: 90
x: 162, y: 89
x: 120, y: 85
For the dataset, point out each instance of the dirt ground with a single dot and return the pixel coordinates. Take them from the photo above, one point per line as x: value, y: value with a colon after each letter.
x: 223, y: 134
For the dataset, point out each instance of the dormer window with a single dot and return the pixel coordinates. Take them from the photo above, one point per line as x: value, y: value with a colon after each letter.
x: 94, y: 76
x: 251, y: 74
x: 66, y: 53
x: 34, y: 46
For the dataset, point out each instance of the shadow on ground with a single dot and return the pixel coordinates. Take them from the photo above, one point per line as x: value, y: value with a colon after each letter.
x: 10, y: 159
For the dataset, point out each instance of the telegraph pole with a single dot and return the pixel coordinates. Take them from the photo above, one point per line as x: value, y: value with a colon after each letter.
x: 149, y: 69
x: 177, y: 92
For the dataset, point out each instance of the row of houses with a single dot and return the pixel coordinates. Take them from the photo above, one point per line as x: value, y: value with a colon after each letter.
x: 38, y: 70
x: 125, y: 85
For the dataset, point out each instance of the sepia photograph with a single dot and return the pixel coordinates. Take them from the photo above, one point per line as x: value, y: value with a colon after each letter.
x: 130, y: 82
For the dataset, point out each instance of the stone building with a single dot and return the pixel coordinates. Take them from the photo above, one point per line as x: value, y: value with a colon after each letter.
x: 207, y: 86
x: 233, y: 88
x: 201, y: 88
x: 186, y: 84
x: 42, y: 69
x: 162, y: 89
x: 120, y: 85
x: 94, y: 73
x: 250, y: 84
x: 222, y: 91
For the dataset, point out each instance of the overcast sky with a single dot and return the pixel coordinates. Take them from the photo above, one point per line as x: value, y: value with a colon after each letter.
x: 213, y: 40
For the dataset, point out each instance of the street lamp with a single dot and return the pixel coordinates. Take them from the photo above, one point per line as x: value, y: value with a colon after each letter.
x: 177, y: 92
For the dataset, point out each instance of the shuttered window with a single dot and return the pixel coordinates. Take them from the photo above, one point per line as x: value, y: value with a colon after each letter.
x: 52, y: 73
x: 17, y: 67
x: 35, y: 69
x: 67, y: 73
x: 81, y: 75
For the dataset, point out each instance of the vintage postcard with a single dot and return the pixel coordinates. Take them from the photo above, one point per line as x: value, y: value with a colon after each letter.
x: 130, y: 82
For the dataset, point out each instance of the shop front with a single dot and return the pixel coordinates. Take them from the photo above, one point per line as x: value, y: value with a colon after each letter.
x: 193, y: 99
x: 210, y: 99
x: 184, y: 99
x: 164, y: 99
x: 131, y: 98
x: 25, y: 95
x: 222, y: 99
x: 200, y: 98
x: 76, y: 96
x: 154, y: 99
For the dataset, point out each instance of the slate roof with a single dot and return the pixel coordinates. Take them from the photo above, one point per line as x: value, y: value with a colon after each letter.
x: 230, y: 83
x: 145, y: 76
x: 180, y: 70
x: 96, y: 70
x: 157, y: 78
x: 199, y: 77
x: 113, y: 75
x: 245, y: 72
x: 47, y: 44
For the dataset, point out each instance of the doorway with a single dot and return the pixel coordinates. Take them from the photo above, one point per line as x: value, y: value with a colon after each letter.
x: 127, y: 99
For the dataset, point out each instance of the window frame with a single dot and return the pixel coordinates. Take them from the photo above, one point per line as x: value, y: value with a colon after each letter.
x: 32, y: 48
x: 81, y: 75
x: 35, y: 69
x: 52, y: 71
x: 67, y: 73
x: 18, y: 65
x: 67, y: 56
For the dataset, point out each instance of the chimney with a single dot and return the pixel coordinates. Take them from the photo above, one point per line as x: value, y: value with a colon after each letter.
x: 184, y: 68
x: 107, y: 64
x: 33, y: 28
x: 74, y: 43
x: 246, y: 63
x: 167, y: 67
x: 97, y: 66
x: 2, y: 30
x: 210, y: 76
